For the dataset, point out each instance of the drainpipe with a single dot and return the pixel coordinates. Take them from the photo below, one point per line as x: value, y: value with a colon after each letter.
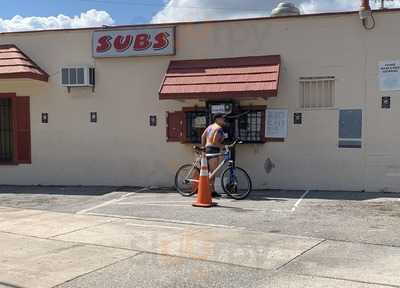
x: 366, y: 16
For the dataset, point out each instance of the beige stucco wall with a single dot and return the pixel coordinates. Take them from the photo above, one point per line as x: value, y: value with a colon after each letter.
x: 121, y: 149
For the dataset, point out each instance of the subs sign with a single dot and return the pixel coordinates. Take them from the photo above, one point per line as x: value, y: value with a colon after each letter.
x: 134, y: 42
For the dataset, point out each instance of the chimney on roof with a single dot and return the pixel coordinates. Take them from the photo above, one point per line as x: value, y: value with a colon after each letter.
x: 285, y: 9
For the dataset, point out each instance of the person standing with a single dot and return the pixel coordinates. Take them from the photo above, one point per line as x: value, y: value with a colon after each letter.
x: 212, y: 139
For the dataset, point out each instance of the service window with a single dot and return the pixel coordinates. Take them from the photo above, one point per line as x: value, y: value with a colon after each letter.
x: 187, y: 126
x: 196, y: 123
x: 350, y: 128
x: 252, y: 127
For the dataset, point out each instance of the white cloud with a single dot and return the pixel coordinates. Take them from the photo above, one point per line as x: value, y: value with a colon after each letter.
x: 196, y: 10
x: 91, y: 18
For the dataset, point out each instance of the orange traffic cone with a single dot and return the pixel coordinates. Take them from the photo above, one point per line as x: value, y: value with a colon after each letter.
x: 204, y: 197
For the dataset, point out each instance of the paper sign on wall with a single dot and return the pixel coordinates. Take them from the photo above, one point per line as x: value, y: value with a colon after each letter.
x: 277, y: 123
x: 389, y: 75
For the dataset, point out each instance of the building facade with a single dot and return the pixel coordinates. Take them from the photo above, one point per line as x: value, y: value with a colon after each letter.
x: 315, y: 98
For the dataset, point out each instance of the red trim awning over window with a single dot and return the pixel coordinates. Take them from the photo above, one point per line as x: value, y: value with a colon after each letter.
x: 15, y: 64
x: 256, y: 76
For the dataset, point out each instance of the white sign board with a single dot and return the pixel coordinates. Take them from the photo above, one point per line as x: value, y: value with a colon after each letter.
x: 134, y: 42
x: 200, y: 122
x: 389, y: 75
x: 277, y: 123
x: 218, y: 109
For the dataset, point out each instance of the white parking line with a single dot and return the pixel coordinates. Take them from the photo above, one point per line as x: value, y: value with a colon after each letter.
x: 109, y: 202
x: 155, y: 203
x: 155, y: 226
x: 299, y: 201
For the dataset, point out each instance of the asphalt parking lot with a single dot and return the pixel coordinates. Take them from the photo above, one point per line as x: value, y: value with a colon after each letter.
x: 348, y: 216
x: 271, y: 239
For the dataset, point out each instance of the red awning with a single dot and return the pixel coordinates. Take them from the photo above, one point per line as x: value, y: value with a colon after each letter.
x: 256, y: 76
x: 15, y: 64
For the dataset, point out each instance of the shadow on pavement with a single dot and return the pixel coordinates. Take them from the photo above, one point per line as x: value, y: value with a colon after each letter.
x: 58, y: 190
x: 256, y: 195
x: 283, y: 195
x: 7, y: 285
x: 264, y: 195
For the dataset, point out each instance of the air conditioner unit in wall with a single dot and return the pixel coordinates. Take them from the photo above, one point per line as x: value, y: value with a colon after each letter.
x: 82, y: 76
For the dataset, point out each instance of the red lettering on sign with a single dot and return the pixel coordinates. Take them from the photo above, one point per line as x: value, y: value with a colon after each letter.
x: 122, y: 43
x: 104, y: 44
x: 161, y: 41
x: 142, y: 42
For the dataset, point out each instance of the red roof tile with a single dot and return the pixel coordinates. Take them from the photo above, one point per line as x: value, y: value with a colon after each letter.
x: 15, y: 64
x: 256, y: 76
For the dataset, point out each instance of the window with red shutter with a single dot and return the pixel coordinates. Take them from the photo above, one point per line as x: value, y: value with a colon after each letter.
x: 6, y: 130
x: 22, y: 130
x: 175, y: 126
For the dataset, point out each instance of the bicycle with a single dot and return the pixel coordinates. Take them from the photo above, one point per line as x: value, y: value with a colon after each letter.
x: 235, y: 181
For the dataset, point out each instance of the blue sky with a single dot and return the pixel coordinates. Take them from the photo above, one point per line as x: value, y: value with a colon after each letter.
x: 122, y: 13
x: 20, y: 15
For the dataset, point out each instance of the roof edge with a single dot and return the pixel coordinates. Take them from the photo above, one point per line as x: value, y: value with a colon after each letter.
x: 199, y: 22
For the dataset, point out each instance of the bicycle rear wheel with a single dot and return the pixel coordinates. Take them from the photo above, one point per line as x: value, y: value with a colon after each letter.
x: 236, y: 183
x: 183, y: 185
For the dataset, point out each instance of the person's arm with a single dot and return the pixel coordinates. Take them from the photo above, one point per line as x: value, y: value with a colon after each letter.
x: 204, y: 138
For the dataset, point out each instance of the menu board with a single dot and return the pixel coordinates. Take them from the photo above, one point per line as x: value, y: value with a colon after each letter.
x: 277, y: 123
x: 389, y: 75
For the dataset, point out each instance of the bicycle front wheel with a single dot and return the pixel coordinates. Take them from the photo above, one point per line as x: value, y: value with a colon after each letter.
x: 236, y: 183
x: 186, y: 180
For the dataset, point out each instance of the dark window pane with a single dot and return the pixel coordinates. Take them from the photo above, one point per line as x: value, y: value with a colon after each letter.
x: 72, y: 76
x: 196, y: 123
x: 350, y: 124
x: 6, y: 133
x: 250, y: 127
x: 64, y: 76
x: 81, y: 76
x: 350, y: 144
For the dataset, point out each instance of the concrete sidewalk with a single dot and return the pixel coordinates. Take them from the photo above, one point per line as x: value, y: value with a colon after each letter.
x: 48, y: 249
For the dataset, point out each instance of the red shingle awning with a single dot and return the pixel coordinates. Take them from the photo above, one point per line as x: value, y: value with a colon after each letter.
x: 15, y: 64
x: 252, y: 77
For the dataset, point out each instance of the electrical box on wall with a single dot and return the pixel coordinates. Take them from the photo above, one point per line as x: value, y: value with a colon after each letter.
x: 298, y: 118
x: 386, y: 102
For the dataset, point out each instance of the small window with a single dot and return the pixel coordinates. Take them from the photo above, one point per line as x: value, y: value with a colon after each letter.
x: 65, y: 75
x: 80, y: 76
x: 72, y: 76
x: 6, y: 133
x: 251, y: 129
x: 350, y: 128
x: 317, y: 92
x: 15, y: 141
x: 196, y: 122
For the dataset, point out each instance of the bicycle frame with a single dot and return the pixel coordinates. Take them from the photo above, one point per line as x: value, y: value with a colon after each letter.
x: 196, y: 163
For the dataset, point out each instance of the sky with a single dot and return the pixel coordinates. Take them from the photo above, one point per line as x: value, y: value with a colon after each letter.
x: 20, y: 15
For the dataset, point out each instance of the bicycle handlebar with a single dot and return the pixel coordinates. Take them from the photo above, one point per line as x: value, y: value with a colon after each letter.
x: 237, y: 141
x: 203, y: 149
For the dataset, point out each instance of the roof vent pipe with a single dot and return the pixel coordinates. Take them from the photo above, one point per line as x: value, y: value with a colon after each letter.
x: 285, y: 9
x: 366, y: 16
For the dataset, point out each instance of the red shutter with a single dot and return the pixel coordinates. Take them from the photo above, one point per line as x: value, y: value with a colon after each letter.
x: 175, y: 126
x: 23, y: 131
